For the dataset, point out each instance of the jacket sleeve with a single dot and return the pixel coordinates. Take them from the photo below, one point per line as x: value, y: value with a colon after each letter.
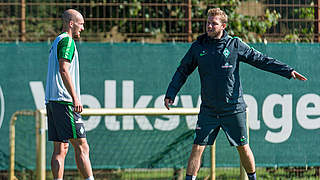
x: 187, y: 65
x: 261, y: 61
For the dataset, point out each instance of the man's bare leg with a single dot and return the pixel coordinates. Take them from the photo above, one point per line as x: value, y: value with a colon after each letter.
x: 60, y: 151
x: 81, y: 149
x: 194, y: 161
x: 247, y: 160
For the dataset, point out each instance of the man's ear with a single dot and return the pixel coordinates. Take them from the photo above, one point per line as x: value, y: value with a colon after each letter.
x: 71, y: 24
x: 224, y: 25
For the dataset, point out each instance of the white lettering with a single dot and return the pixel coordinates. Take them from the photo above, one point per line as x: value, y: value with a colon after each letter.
x: 173, y: 120
x: 110, y: 97
x: 284, y: 122
x: 38, y: 96
x: 93, y: 121
x: 186, y: 101
x: 127, y: 102
x: 303, y: 111
x: 252, y: 110
x: 2, y: 107
x: 307, y: 111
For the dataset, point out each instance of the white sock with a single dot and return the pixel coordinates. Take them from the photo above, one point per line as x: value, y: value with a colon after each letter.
x: 190, y: 177
x: 90, y: 178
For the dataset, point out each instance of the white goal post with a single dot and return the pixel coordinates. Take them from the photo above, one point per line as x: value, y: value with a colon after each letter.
x: 40, y: 116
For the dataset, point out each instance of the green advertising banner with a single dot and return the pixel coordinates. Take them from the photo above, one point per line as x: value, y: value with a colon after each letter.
x: 284, y: 115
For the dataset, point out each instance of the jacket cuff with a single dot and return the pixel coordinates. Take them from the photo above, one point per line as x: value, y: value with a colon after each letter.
x: 169, y: 97
x: 290, y: 76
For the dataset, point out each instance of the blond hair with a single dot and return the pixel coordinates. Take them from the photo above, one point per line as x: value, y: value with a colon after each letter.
x: 218, y: 12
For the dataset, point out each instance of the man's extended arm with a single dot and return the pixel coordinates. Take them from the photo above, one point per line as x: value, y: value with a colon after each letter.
x: 64, y: 66
x: 187, y: 66
x: 261, y: 61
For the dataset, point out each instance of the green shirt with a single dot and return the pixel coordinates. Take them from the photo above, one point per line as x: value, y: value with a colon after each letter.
x: 62, y: 47
x: 65, y: 48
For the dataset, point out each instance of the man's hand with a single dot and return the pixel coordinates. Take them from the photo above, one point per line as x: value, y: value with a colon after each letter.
x: 77, y: 106
x: 297, y: 75
x: 168, y: 102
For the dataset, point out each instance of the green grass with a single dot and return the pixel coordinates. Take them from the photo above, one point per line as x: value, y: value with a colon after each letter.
x: 204, y: 173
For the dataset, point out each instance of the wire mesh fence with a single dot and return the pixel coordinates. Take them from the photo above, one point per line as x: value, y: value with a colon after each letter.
x: 157, y: 21
x: 175, y: 153
x: 22, y: 146
x: 299, y: 20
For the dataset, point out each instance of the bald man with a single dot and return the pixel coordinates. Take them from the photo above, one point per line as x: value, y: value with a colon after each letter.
x: 63, y: 101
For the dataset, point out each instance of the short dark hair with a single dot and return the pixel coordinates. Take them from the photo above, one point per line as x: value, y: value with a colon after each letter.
x: 69, y: 15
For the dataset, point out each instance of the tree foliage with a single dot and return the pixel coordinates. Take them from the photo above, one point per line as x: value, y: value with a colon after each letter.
x: 249, y: 28
x: 305, y: 32
x: 124, y: 20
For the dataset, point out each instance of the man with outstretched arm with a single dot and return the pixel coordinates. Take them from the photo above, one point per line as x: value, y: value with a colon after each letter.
x: 217, y: 57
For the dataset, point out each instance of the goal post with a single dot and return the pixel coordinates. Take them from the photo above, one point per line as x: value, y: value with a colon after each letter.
x: 40, y: 117
x: 12, y: 137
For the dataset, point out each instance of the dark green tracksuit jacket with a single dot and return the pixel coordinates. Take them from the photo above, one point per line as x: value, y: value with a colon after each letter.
x: 218, y: 65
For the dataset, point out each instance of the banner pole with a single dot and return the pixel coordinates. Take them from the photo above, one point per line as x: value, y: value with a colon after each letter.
x: 243, y: 173
x: 213, y: 161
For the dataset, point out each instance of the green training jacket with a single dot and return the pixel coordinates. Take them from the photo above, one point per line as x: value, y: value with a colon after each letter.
x: 218, y: 61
